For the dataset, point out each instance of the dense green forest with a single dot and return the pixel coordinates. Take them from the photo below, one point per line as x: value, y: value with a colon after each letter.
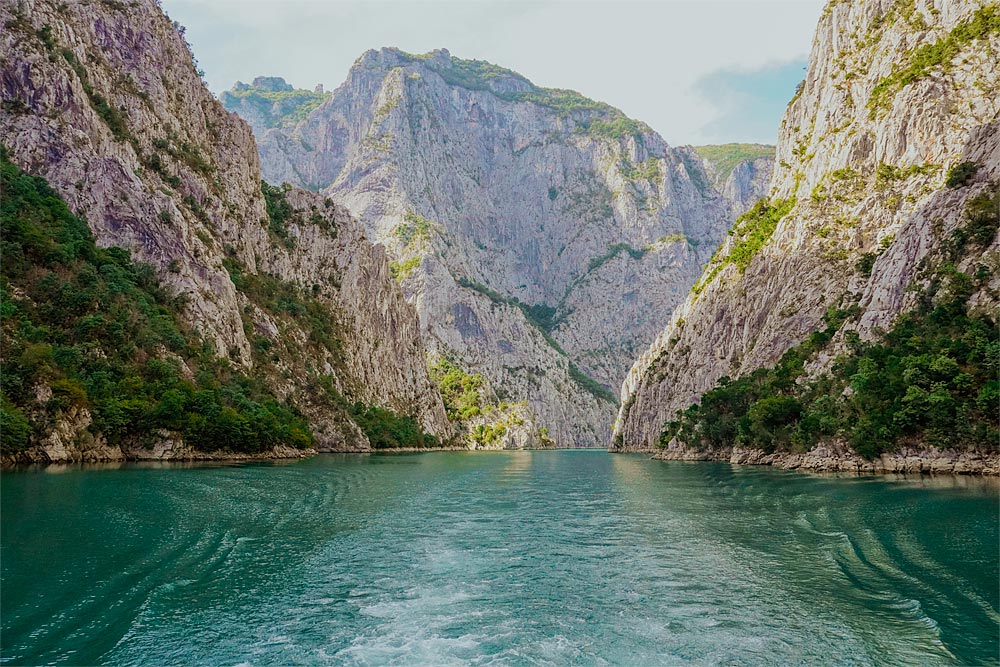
x: 933, y: 378
x: 99, y: 330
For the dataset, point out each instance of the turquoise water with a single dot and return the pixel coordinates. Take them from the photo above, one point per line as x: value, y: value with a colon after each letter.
x: 507, y: 558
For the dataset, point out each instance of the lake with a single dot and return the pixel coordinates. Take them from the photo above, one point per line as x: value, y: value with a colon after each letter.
x: 495, y: 558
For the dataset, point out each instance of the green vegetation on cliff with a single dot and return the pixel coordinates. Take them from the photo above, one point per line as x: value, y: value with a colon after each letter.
x: 590, y: 385
x: 754, y: 229
x: 932, y: 379
x: 401, y: 270
x: 920, y: 62
x: 471, y: 74
x: 98, y: 331
x: 416, y: 230
x: 598, y: 119
x: 279, y: 211
x: 751, y: 232
x: 726, y: 157
x: 460, y: 391
x: 281, y: 214
x: 283, y: 300
x: 961, y: 174
x: 279, y: 108
x: 615, y: 250
x: 647, y: 170
x: 483, y: 420
x: 387, y: 429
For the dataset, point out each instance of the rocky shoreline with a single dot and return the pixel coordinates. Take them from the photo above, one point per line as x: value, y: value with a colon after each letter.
x: 180, y: 453
x: 47, y: 456
x: 929, y: 461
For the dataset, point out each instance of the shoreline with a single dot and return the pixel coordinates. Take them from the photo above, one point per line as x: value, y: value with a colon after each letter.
x: 926, y: 461
x: 38, y: 456
x: 41, y: 457
x: 405, y: 450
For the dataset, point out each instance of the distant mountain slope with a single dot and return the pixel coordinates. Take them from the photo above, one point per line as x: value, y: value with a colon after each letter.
x: 543, y: 237
x: 270, y: 102
x: 741, y: 172
x: 724, y: 158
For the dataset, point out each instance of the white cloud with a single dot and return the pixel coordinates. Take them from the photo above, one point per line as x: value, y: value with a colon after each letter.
x: 645, y: 57
x: 748, y: 101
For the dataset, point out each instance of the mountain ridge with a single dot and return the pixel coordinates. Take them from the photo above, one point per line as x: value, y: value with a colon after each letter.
x: 522, y: 221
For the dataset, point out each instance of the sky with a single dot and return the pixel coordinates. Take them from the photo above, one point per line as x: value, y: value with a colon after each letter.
x: 698, y: 72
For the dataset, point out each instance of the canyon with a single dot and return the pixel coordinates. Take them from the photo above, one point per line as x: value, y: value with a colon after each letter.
x: 526, y: 225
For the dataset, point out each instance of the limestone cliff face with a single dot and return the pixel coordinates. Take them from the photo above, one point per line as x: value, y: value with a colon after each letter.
x: 542, y: 236
x: 896, y: 94
x: 740, y: 172
x: 748, y: 183
x: 103, y: 100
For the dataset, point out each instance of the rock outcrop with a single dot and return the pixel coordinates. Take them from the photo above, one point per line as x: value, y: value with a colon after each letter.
x: 839, y: 457
x: 103, y: 100
x: 271, y: 102
x: 542, y: 236
x: 740, y: 172
x: 897, y: 95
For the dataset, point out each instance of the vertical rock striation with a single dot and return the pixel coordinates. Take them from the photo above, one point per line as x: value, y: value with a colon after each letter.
x: 103, y: 100
x: 542, y: 236
x: 741, y: 172
x: 896, y: 95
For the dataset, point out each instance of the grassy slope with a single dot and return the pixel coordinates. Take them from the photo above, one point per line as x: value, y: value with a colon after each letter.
x: 725, y: 157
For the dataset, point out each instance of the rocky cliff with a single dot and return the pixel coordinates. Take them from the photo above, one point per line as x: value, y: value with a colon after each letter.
x: 542, y: 236
x: 887, y: 154
x: 103, y: 100
x: 740, y: 172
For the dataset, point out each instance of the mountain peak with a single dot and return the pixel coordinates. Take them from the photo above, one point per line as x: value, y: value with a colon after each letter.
x: 513, y: 214
x: 508, y: 85
x: 274, y: 84
x: 270, y: 101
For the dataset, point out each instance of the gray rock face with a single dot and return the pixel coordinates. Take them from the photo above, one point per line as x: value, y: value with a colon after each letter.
x: 543, y: 237
x: 839, y: 457
x: 741, y: 172
x: 104, y: 102
x: 865, y: 156
x: 747, y: 183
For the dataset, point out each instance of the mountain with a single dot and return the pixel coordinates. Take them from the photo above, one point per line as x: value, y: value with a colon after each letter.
x: 262, y: 303
x: 853, y: 312
x: 741, y: 172
x: 542, y: 236
x: 271, y: 102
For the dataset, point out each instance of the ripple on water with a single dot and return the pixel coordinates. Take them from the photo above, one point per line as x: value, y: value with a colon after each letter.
x: 521, y: 558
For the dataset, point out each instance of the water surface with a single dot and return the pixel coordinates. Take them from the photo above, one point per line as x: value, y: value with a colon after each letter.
x: 507, y: 558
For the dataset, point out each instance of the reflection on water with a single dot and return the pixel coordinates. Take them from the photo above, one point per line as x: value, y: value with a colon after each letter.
x: 60, y: 468
x: 500, y: 558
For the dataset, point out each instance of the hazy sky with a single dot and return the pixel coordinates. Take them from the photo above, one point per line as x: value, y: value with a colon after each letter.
x: 706, y: 71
